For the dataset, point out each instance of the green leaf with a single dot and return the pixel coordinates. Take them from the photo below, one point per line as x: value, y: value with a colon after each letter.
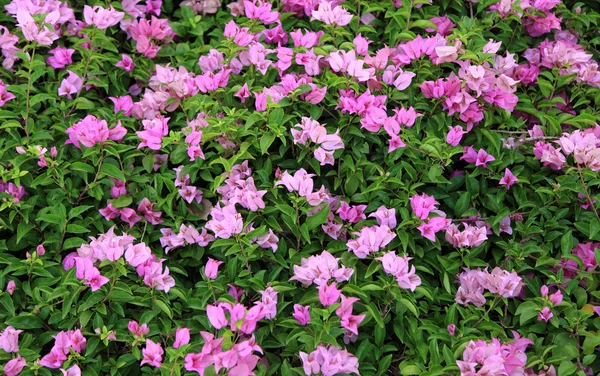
x: 22, y: 230
x: 7, y: 302
x: 163, y: 307
x: 265, y: 142
x: 26, y: 321
x: 122, y: 201
x: 374, y: 311
x: 462, y: 204
x: 112, y: 171
x: 148, y: 163
x: 318, y: 218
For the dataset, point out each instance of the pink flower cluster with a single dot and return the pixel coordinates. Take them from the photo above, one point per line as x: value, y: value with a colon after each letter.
x: 111, y: 247
x: 5, y: 96
x: 225, y: 221
x: 554, y: 299
x: 188, y: 192
x: 138, y: 330
x: 238, y: 360
x: 479, y: 158
x: 329, y: 361
x: 399, y: 268
x: 17, y: 192
x: 473, y: 283
x: 129, y: 215
x: 348, y: 321
x: 315, y: 132
x: 495, y: 358
x: 422, y: 205
x: 370, y: 239
x: 470, y: 236
x: 148, y: 34
x: 584, y: 145
x: 585, y: 251
x: 100, y: 17
x: 193, y: 137
x: 70, y: 85
x: 567, y: 55
x: 331, y: 14
x: 187, y: 235
x: 241, y: 318
x: 320, y: 269
x: 91, y: 131
x: 63, y: 343
x: 239, y: 188
x: 8, y: 42
x: 302, y: 183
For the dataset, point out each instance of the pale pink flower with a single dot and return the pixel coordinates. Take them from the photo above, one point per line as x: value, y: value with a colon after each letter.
x: 152, y: 354
x: 70, y: 85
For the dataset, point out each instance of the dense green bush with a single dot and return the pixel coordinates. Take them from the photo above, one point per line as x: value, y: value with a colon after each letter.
x: 301, y: 187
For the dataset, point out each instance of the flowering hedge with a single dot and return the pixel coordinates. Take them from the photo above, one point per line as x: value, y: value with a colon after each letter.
x: 403, y: 187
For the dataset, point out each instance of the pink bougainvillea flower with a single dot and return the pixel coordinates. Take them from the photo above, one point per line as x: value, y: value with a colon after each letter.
x: 182, y: 337
x: 508, y: 179
x: 216, y: 316
x: 9, y: 339
x: 545, y: 314
x: 301, y: 314
x: 61, y: 57
x: 14, y: 366
x: 126, y: 63
x: 10, y: 287
x: 330, y: 14
x: 72, y: 371
x: 70, y: 85
x: 328, y: 294
x: 422, y: 205
x: 211, y: 269
x: 455, y: 135
x: 152, y: 354
x: 100, y: 17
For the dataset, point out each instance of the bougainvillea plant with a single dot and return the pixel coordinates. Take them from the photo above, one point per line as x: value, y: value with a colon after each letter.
x: 302, y: 187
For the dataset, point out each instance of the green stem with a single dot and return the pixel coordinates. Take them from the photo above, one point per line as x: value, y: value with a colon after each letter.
x: 27, y: 108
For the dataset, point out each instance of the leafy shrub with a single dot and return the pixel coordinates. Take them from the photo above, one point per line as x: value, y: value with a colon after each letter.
x: 300, y: 187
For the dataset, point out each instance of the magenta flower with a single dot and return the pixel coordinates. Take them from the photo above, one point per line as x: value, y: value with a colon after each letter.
x: 100, y: 17
x: 129, y: 216
x: 126, y: 63
x: 70, y: 85
x: 152, y: 354
x: 483, y: 158
x: 10, y: 287
x: 182, y: 337
x: 61, y: 57
x: 508, y: 179
x: 9, y: 339
x: 455, y: 135
x: 211, y: 269
x: 545, y: 314
x: 54, y: 359
x: 556, y: 298
x: 15, y: 366
x: 301, y: 314
x: 216, y: 316
x: 422, y: 205
x: 451, y: 329
x: 73, y: 371
x: 328, y: 294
